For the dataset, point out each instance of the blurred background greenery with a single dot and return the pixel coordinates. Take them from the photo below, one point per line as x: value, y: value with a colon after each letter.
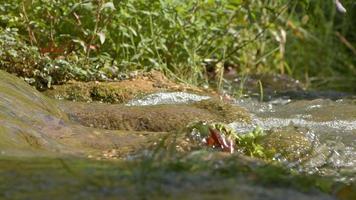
x: 51, y: 41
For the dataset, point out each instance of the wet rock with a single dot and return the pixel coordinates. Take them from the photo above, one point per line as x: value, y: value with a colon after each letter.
x: 230, y: 113
x: 152, y: 118
x: 272, y: 85
x: 290, y: 142
x: 310, y: 95
x: 117, y: 91
x: 347, y: 192
x: 319, y: 110
x: 39, y: 178
x: 32, y: 124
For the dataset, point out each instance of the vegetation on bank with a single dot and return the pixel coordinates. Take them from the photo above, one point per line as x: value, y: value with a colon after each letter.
x: 51, y: 41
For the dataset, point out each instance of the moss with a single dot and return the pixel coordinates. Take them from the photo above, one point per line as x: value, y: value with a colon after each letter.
x: 110, y: 94
x: 73, y: 91
x: 117, y: 91
x: 346, y: 192
x: 228, y: 112
x: 150, y: 118
x: 209, y: 173
x: 290, y: 142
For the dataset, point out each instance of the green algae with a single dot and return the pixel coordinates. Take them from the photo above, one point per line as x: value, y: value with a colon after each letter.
x: 152, y: 118
x: 17, y: 93
x: 58, y: 178
x: 111, y: 94
x: 228, y: 112
x: 178, y: 177
x: 290, y: 142
x: 116, y: 91
x: 91, y: 91
x: 19, y: 142
x: 32, y: 124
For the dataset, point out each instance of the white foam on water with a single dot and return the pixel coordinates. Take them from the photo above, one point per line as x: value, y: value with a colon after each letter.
x: 167, y: 98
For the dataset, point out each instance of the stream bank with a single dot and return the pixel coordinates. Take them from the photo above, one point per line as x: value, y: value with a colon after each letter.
x: 55, y: 145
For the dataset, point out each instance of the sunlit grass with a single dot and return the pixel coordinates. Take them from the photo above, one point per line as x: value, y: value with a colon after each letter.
x: 99, y: 39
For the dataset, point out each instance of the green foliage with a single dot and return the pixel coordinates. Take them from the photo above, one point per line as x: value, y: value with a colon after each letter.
x: 249, y: 144
x: 321, y: 44
x: 42, y: 70
x: 98, y: 39
x: 173, y: 36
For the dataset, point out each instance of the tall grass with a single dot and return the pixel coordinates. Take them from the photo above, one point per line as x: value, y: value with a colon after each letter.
x: 321, y: 45
x: 101, y: 38
x: 170, y: 35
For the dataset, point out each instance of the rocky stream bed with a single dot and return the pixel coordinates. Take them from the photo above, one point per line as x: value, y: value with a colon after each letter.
x: 149, y: 138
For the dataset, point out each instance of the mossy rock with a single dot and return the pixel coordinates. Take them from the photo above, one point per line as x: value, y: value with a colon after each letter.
x: 155, y: 117
x: 117, y: 91
x: 290, y: 142
x: 228, y: 112
x: 108, y: 92
x: 204, y: 176
x: 33, y: 125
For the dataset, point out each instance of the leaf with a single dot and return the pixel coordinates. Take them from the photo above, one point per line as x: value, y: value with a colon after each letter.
x: 154, y: 62
x: 82, y: 43
x: 102, y: 37
x: 132, y: 31
x: 27, y: 3
x: 340, y: 7
x: 219, y: 140
x: 108, y: 5
x: 74, y: 7
x: 87, y: 6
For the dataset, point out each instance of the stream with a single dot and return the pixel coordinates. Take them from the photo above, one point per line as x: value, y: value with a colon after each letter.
x: 139, y: 150
x: 331, y: 125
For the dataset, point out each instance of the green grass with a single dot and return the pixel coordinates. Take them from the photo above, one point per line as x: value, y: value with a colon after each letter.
x: 55, y: 41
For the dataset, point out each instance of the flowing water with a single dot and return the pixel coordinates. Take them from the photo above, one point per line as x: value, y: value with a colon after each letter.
x: 329, y: 124
x: 43, y: 152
